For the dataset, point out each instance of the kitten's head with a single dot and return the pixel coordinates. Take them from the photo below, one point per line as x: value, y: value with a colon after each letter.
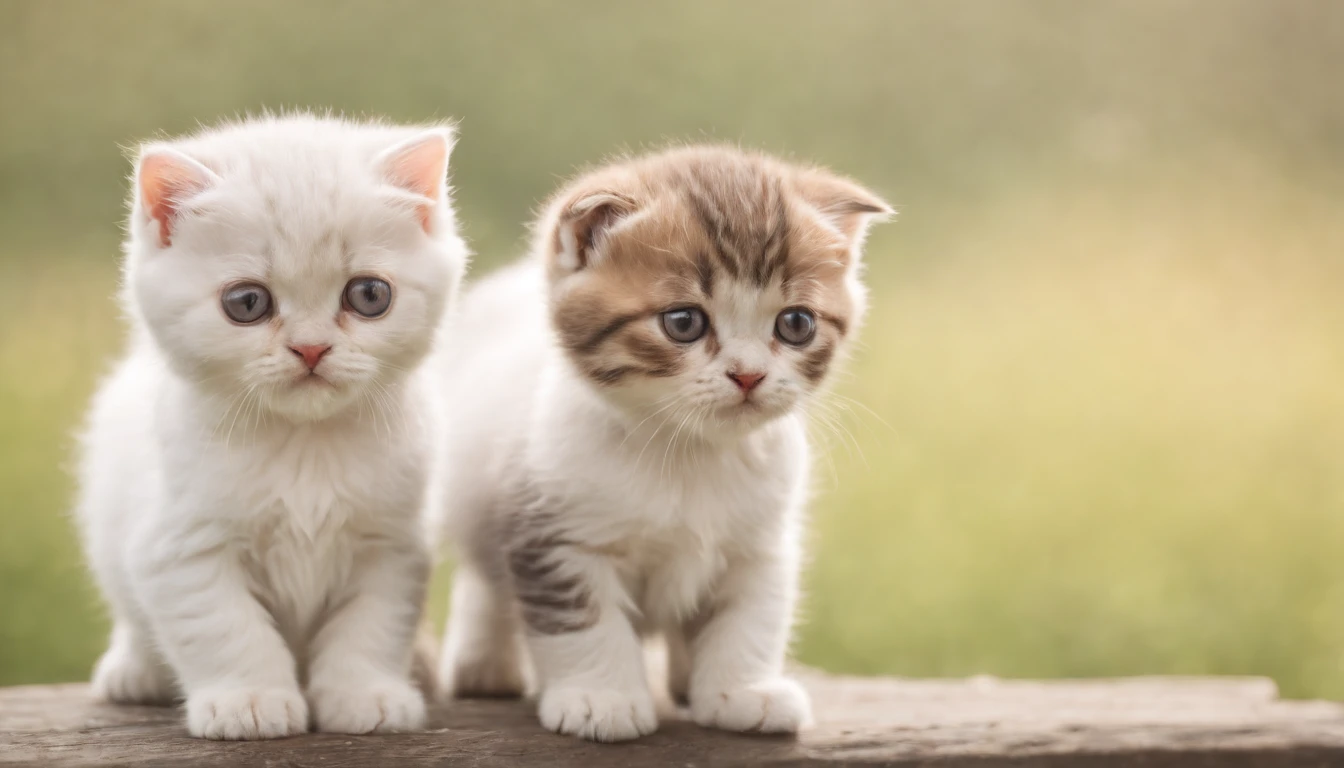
x: 709, y: 285
x: 300, y: 262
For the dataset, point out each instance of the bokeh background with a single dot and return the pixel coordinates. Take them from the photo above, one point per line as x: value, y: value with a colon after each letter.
x: 1096, y: 426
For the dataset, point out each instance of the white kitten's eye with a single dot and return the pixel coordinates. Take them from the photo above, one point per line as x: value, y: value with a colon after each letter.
x: 246, y: 303
x: 795, y: 326
x: 685, y: 325
x: 368, y: 296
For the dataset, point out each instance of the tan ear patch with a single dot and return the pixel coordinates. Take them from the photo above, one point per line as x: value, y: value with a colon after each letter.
x: 846, y: 205
x: 584, y: 221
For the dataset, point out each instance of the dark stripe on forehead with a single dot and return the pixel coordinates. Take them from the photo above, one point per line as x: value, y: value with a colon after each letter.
x: 775, y: 256
x: 750, y: 233
x: 704, y: 274
x: 714, y: 224
x: 816, y: 362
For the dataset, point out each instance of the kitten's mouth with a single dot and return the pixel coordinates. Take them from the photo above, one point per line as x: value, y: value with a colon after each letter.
x: 312, y: 379
x: 747, y: 404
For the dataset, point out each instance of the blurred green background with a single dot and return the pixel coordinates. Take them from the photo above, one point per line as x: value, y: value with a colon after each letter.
x: 1096, y: 425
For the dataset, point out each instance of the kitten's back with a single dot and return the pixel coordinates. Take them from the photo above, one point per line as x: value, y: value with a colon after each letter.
x: 495, y: 347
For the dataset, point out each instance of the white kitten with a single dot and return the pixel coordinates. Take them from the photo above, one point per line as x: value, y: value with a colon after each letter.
x: 254, y: 471
x: 627, y: 453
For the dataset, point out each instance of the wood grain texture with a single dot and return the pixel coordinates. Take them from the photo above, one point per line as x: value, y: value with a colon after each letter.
x: 982, y: 722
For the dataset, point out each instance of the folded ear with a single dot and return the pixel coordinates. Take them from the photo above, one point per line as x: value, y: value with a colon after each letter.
x: 584, y: 220
x: 419, y: 167
x: 845, y: 205
x: 165, y: 180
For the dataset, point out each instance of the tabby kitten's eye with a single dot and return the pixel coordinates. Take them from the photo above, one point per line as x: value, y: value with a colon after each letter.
x: 246, y: 303
x: 368, y: 296
x: 795, y: 326
x: 685, y: 325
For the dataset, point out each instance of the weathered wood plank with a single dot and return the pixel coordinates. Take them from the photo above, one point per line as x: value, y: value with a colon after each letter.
x: 1157, y: 722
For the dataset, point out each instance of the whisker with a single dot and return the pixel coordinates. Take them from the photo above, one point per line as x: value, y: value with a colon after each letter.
x: 674, y: 399
x: 656, y: 430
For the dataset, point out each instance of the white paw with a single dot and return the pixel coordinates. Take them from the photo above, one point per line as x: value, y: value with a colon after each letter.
x: 490, y: 677
x: 598, y: 714
x: 247, y: 713
x: 770, y: 706
x: 384, y: 706
x: 127, y: 677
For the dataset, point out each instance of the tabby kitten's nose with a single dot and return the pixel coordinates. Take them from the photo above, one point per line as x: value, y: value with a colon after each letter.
x: 311, y: 353
x: 746, y: 381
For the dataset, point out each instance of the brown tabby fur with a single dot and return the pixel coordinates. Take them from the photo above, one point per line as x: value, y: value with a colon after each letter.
x: 688, y: 227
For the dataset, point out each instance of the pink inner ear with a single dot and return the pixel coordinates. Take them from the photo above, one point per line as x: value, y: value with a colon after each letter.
x: 167, y: 180
x: 419, y: 167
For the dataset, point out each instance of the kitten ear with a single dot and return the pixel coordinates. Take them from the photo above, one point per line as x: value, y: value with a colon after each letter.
x: 165, y: 179
x: 845, y: 205
x: 584, y: 220
x: 419, y: 166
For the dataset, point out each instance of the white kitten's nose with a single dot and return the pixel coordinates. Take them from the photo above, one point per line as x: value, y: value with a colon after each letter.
x: 310, y: 353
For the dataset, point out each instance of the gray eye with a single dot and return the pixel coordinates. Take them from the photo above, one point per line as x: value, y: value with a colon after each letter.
x: 246, y: 303
x: 795, y: 326
x: 685, y: 325
x: 368, y: 296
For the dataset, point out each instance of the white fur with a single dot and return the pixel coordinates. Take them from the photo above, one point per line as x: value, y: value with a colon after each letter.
x: 675, y: 509
x: 259, y: 538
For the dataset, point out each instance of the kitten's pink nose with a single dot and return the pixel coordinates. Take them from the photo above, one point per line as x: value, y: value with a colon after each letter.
x: 311, y: 353
x: 746, y: 381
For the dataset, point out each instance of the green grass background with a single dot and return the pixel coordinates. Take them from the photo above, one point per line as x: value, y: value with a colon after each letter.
x: 1096, y: 425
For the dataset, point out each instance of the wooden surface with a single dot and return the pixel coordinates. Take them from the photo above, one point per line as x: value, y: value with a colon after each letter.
x: 1150, y: 722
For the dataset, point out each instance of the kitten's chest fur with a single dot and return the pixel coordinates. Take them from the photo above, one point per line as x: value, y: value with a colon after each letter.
x: 296, y: 574
x: 309, y: 500
x: 672, y: 531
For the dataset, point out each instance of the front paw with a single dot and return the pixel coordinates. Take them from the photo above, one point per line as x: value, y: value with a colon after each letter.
x: 126, y: 677
x: 382, y: 706
x: 779, y: 705
x: 247, y: 713
x: 598, y: 714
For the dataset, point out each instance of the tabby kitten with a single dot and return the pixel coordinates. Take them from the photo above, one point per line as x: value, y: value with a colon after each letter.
x: 628, y: 454
x: 254, y: 471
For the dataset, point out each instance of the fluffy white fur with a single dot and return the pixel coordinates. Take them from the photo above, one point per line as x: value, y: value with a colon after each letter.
x: 257, y: 530
x: 683, y: 515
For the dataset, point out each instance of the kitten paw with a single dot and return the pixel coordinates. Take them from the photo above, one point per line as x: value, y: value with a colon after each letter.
x: 247, y: 713
x: 383, y: 706
x: 597, y: 714
x: 492, y: 677
x: 770, y: 706
x: 123, y: 676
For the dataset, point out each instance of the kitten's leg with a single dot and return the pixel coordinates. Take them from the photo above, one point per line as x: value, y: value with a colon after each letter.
x: 737, y: 653
x: 482, y: 656
x: 588, y: 658
x: 359, y: 678
x: 678, y: 664
x: 237, y: 672
x: 131, y: 671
